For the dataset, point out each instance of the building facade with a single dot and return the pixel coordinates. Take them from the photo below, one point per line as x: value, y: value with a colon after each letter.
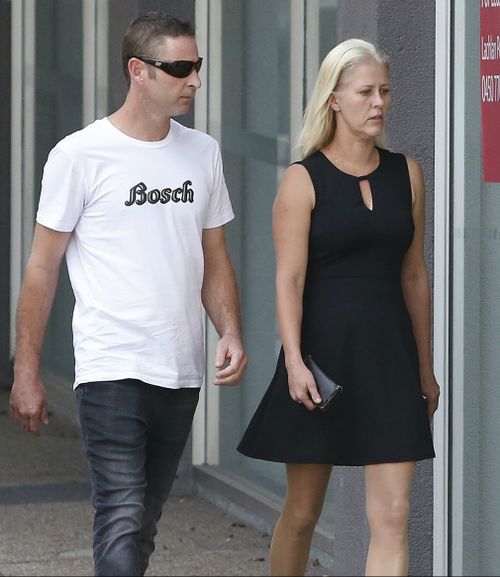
x: 261, y: 61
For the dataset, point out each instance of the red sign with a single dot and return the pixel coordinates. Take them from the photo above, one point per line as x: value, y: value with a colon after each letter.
x: 490, y: 88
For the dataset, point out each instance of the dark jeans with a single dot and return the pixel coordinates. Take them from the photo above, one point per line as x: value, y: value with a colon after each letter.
x: 134, y: 434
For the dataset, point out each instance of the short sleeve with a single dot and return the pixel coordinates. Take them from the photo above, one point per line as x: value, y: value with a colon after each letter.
x: 62, y: 197
x: 220, y: 210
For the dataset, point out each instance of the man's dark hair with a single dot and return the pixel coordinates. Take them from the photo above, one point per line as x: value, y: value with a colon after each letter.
x: 147, y: 32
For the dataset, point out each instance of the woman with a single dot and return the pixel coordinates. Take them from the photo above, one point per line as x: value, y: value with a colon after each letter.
x: 353, y: 292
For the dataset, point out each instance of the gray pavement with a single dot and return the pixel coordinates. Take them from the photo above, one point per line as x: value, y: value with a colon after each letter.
x: 46, y: 517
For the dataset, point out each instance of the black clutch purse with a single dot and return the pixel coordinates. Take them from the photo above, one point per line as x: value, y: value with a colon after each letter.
x: 327, y: 388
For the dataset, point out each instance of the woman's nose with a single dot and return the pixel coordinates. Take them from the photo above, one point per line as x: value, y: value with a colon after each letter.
x: 378, y: 99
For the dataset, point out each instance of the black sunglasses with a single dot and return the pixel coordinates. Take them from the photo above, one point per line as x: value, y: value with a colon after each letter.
x: 176, y: 68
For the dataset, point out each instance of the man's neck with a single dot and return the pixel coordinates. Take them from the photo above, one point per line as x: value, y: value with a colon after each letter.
x: 139, y: 124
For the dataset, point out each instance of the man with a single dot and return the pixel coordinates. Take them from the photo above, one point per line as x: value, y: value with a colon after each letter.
x: 137, y: 204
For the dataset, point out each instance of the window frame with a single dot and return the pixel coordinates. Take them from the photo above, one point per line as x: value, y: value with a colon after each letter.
x: 442, y: 279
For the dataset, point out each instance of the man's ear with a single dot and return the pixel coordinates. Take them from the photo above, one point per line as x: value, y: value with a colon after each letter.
x: 137, y: 70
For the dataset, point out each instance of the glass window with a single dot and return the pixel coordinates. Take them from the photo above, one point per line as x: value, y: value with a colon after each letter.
x: 58, y: 111
x: 475, y: 520
x: 252, y: 122
x: 254, y: 136
x: 327, y: 26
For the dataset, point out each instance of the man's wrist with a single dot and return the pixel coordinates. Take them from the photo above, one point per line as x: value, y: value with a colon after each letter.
x: 27, y: 368
x: 232, y: 333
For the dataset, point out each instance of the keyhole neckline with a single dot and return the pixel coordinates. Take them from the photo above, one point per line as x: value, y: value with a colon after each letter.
x: 358, y: 178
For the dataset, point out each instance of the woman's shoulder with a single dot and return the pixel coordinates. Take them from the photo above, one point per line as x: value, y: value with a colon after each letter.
x: 399, y: 160
x: 310, y: 160
x: 413, y: 164
x: 398, y: 156
x: 297, y: 173
x: 296, y: 188
x: 312, y: 164
x: 415, y: 171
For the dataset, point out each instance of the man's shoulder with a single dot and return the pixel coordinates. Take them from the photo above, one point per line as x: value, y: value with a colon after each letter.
x: 193, y: 136
x: 82, y: 138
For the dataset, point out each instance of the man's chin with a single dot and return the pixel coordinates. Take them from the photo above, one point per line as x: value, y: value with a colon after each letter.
x: 183, y: 108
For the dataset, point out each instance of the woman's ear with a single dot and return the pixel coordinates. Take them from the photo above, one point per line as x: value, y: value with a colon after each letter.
x: 334, y: 102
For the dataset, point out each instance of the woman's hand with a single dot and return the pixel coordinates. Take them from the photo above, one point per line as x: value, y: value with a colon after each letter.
x: 303, y: 386
x: 431, y: 393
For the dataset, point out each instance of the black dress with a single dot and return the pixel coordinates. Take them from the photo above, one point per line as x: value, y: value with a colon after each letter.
x: 356, y: 327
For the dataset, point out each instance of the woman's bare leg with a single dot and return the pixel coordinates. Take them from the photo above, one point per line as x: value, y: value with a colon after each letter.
x: 387, y: 506
x: 306, y: 488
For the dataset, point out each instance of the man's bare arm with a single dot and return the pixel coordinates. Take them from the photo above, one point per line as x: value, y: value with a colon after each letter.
x: 28, y: 399
x: 220, y: 299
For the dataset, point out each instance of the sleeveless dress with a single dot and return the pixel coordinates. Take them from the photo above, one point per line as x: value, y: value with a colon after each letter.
x: 356, y: 327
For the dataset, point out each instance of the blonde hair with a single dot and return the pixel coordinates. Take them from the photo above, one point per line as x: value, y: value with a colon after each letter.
x: 319, y: 119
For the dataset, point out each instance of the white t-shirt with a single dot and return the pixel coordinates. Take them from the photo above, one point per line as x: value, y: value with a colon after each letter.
x: 137, y: 211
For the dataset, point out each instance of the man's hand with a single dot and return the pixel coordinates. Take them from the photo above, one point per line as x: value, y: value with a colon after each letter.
x: 28, y: 400
x: 229, y: 350
x: 28, y: 404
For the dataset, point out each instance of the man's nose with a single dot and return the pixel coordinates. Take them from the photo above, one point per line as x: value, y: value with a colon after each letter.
x: 194, y: 80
